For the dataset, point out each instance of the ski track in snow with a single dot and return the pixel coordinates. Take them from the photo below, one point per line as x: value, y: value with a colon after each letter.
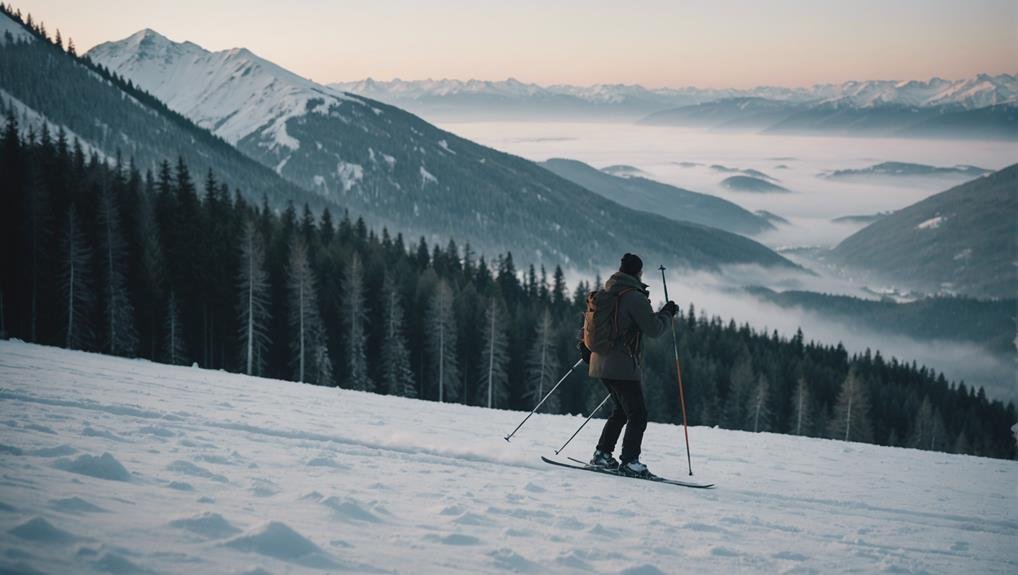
x: 120, y: 466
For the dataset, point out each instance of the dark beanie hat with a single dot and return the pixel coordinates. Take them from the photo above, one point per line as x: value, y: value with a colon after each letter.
x: 631, y: 264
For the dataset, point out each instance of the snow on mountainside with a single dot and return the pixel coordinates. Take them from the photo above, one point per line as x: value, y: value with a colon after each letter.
x: 232, y: 92
x: 117, y: 466
x: 398, y: 171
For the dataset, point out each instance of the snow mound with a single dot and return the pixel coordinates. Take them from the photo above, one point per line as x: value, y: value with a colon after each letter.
x: 208, y: 524
x: 75, y: 505
x: 180, y: 486
x: 645, y: 569
x: 188, y: 468
x: 42, y: 531
x: 56, y: 451
x: 349, y: 508
x: 453, y: 539
x: 103, y: 467
x: 509, y: 560
x: 276, y: 539
x: 117, y: 565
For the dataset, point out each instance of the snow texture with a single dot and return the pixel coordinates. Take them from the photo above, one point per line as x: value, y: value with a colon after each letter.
x: 365, y: 483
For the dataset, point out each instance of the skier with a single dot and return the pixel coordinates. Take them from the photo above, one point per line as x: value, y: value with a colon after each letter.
x: 617, y: 318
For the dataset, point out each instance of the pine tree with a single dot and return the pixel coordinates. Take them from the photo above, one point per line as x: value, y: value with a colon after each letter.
x: 493, y: 389
x: 801, y: 409
x: 543, y: 365
x: 441, y: 327
x: 928, y: 430
x: 758, y: 417
x: 173, y: 349
x: 739, y: 388
x: 121, y: 338
x: 397, y: 378
x: 74, y: 283
x: 851, y: 421
x: 308, y: 352
x: 253, y: 301
x: 354, y: 316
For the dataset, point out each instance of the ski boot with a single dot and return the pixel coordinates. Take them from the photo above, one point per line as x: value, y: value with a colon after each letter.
x: 604, y: 460
x: 635, y: 469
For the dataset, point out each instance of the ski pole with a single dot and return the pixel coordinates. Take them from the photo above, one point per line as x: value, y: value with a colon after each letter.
x: 582, y: 425
x: 533, y: 411
x: 678, y: 374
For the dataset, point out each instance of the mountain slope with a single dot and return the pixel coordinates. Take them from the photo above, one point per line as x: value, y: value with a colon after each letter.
x: 676, y: 203
x: 43, y: 84
x: 402, y: 172
x: 962, y: 240
x: 209, y: 472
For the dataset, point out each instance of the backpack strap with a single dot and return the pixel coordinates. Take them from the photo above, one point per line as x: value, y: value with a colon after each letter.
x: 616, y: 313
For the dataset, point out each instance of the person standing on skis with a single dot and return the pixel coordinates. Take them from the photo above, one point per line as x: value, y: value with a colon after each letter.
x: 617, y: 318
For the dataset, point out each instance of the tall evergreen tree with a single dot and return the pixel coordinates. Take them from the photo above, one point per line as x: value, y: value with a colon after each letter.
x: 493, y: 389
x: 739, y: 388
x: 308, y: 351
x: 802, y: 408
x: 397, y: 377
x: 253, y: 299
x: 121, y: 338
x: 441, y: 327
x: 75, y: 284
x: 173, y: 348
x: 543, y: 364
x: 354, y: 316
x: 759, y: 416
x: 851, y: 421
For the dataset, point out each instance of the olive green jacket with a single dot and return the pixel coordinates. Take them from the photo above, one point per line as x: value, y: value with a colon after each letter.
x: 636, y: 319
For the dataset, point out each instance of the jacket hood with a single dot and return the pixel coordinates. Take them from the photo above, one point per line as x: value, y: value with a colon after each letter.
x: 619, y: 281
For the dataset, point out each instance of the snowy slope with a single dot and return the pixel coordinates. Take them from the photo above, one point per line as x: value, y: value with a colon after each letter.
x: 232, y: 92
x: 117, y: 466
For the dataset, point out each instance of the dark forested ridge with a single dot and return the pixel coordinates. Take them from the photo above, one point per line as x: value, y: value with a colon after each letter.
x: 113, y: 115
x: 103, y: 257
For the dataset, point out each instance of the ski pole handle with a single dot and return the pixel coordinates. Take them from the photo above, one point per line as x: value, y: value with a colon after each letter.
x: 575, y: 365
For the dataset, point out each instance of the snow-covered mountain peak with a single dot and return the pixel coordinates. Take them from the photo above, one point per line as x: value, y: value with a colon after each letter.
x: 232, y: 92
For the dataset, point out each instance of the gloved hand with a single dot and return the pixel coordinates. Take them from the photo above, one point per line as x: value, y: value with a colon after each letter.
x: 584, y: 352
x: 671, y: 308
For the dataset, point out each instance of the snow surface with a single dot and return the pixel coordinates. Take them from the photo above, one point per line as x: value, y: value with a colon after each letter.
x: 196, y: 471
x: 931, y: 224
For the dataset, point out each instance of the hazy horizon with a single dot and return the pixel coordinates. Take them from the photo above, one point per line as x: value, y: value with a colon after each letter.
x: 655, y: 44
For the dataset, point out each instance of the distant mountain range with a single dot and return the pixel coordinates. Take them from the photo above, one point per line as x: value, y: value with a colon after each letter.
x: 399, y: 171
x: 648, y: 195
x: 512, y: 99
x: 961, y: 240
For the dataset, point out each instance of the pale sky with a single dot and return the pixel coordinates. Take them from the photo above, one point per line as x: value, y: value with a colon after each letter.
x: 657, y: 43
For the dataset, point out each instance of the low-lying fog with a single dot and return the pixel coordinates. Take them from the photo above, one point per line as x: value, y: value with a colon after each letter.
x: 714, y: 294
x: 683, y: 157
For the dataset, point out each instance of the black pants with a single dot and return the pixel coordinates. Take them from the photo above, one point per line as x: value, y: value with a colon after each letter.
x: 629, y: 411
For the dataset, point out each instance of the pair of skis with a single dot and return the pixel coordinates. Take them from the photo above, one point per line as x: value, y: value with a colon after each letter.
x: 586, y: 467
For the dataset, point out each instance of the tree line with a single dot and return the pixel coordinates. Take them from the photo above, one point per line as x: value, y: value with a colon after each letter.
x: 100, y: 256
